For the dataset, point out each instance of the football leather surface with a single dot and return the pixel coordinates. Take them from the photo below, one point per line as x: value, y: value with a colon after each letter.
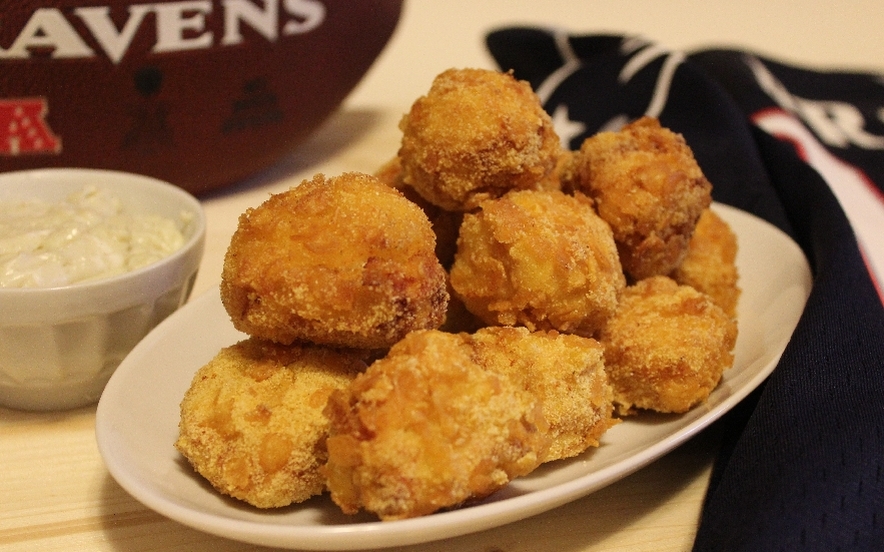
x: 200, y: 93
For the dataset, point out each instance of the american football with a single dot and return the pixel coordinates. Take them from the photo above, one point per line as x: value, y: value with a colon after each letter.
x: 200, y: 93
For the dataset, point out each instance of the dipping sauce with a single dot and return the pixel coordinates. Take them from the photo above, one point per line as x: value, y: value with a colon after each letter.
x: 85, y: 237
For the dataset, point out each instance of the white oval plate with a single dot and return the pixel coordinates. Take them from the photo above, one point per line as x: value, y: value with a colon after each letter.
x: 137, y: 421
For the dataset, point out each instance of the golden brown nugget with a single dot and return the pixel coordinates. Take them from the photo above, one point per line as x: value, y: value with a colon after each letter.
x: 666, y: 347
x: 344, y: 261
x: 390, y: 173
x: 649, y: 188
x: 427, y: 428
x: 566, y: 372
x: 446, y: 224
x: 710, y: 264
x: 475, y: 135
x: 542, y: 259
x: 252, y: 421
x: 566, y: 171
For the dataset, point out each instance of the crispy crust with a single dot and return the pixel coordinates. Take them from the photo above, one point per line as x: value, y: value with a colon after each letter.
x: 427, y: 428
x: 542, y: 259
x: 252, y: 421
x: 710, y: 264
x: 475, y: 135
x: 345, y: 261
x: 666, y: 347
x: 648, y: 187
x: 446, y: 418
x: 446, y: 224
x: 566, y: 372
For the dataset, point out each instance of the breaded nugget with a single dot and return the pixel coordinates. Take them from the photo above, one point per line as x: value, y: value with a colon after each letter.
x: 666, y: 347
x: 710, y: 264
x: 649, y: 188
x: 566, y: 372
x: 252, y: 421
x: 344, y: 261
x: 390, y: 173
x: 427, y: 428
x: 476, y: 134
x: 446, y: 224
x: 542, y: 259
x: 566, y: 171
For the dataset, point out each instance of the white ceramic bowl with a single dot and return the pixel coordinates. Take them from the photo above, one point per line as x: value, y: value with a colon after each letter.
x: 59, y: 346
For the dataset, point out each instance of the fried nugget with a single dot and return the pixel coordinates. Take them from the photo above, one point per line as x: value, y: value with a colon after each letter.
x: 252, y: 421
x: 710, y: 264
x: 649, y: 188
x: 344, y: 261
x: 566, y: 372
x: 475, y: 135
x: 542, y: 259
x: 566, y: 171
x: 390, y: 173
x: 427, y: 428
x: 666, y: 347
x: 446, y: 224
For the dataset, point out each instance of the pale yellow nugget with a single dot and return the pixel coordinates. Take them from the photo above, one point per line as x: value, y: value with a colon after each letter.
x: 252, y: 422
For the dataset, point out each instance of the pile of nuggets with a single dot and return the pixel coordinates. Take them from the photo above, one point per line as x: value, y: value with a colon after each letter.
x: 485, y: 303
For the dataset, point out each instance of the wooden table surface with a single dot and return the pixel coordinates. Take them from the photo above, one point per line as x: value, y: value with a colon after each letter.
x: 55, y: 493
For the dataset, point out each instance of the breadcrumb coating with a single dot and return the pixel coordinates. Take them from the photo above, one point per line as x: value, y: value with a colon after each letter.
x: 710, y: 264
x: 475, y: 135
x: 447, y: 418
x: 344, y: 261
x: 666, y: 347
x: 566, y: 372
x: 446, y: 224
x: 648, y: 187
x: 542, y: 259
x: 427, y: 428
x: 252, y: 421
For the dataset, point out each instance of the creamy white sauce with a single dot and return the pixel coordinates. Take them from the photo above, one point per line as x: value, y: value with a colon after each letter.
x: 85, y: 237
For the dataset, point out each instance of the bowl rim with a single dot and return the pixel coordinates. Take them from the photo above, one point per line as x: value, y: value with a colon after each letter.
x: 195, y: 242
